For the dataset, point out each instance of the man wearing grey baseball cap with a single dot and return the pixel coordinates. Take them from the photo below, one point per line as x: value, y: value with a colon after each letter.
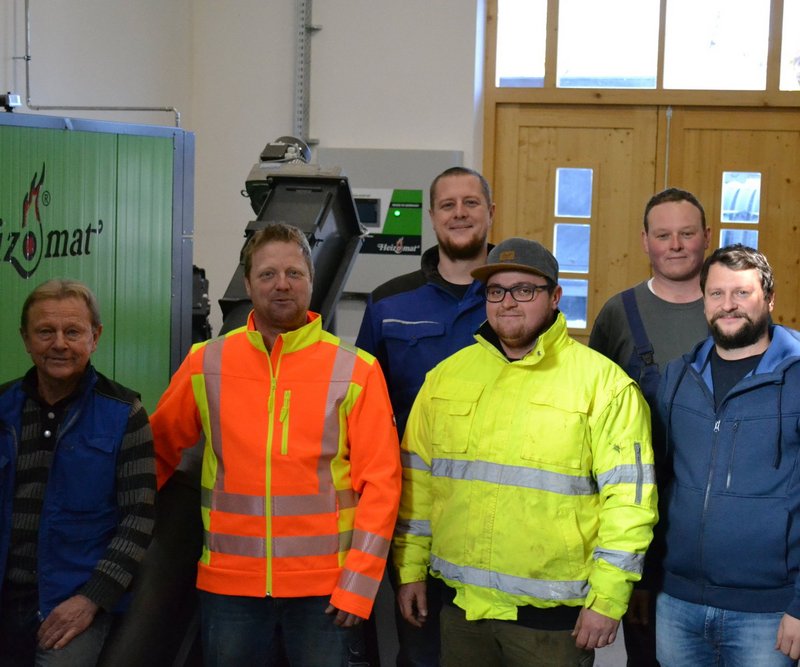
x: 528, y: 482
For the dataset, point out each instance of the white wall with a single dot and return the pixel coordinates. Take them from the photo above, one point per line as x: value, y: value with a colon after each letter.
x: 384, y: 74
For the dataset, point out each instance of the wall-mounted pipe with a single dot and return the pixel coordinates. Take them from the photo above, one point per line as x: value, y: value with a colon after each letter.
x: 42, y: 107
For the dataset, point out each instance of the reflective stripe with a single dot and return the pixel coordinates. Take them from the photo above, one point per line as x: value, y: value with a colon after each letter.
x: 319, y: 503
x: 624, y: 560
x: 369, y: 543
x: 360, y: 584
x: 413, y: 461
x: 236, y: 545
x: 212, y: 377
x: 413, y: 527
x: 628, y: 474
x: 235, y: 503
x: 544, y: 589
x: 298, y: 546
x: 338, y: 386
x: 507, y: 475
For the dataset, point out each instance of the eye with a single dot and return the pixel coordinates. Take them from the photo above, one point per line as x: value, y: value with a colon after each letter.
x: 266, y: 275
x: 524, y: 291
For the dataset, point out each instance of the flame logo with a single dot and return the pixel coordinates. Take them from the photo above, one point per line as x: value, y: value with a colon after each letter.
x: 31, y: 235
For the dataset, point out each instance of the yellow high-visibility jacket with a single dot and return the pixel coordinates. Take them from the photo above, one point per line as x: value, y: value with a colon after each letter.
x: 529, y: 482
x: 301, y: 470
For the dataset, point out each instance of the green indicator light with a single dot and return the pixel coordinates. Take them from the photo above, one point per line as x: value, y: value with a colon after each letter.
x: 397, y: 214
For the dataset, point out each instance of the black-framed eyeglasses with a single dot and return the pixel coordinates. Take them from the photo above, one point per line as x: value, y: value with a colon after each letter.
x: 522, y: 293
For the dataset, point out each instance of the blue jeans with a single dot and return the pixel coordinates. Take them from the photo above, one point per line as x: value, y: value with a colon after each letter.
x: 239, y: 630
x: 695, y: 635
x: 19, y: 623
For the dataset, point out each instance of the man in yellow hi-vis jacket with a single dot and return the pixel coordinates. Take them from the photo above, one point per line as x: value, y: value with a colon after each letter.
x: 529, y: 486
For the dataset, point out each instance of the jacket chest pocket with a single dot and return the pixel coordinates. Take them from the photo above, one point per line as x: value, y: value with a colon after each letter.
x: 85, y: 472
x: 455, y: 405
x: 555, y: 436
x: 410, y: 333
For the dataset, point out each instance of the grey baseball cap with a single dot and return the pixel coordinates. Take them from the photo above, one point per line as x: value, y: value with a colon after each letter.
x: 518, y: 254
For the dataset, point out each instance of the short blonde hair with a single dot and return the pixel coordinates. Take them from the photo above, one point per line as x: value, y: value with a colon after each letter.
x: 62, y: 288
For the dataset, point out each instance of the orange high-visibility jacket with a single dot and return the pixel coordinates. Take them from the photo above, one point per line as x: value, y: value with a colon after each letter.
x: 301, y: 469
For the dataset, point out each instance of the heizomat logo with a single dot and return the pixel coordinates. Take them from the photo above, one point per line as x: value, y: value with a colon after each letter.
x: 25, y: 246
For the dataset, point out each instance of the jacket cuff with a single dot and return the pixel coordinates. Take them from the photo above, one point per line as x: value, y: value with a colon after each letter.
x: 103, y: 591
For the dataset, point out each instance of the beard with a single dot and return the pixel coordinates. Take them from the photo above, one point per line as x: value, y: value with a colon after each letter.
x: 750, y: 333
x: 472, y: 249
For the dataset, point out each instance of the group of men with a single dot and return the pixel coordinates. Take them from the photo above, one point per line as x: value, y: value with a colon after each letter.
x: 517, y: 490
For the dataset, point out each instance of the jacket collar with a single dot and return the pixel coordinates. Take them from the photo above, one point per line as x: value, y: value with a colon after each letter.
x: 290, y: 341
x: 548, y: 343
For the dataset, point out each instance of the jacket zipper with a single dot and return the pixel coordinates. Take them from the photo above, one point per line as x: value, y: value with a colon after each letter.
x: 733, y: 454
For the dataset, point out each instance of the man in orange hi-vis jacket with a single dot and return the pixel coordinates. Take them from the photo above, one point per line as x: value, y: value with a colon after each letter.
x: 301, y: 474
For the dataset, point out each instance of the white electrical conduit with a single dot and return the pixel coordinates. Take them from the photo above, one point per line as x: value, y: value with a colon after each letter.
x: 41, y: 107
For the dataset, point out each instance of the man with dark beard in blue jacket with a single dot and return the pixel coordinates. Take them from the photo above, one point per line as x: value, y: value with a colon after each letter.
x: 731, y: 414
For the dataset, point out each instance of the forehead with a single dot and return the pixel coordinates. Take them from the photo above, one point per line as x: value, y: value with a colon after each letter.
x: 70, y: 308
x: 720, y: 276
x: 274, y: 252
x: 459, y: 185
x: 674, y: 215
x: 509, y: 278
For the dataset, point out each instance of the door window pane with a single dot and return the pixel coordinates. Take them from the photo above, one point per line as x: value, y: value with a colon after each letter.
x: 572, y: 247
x: 741, y: 196
x: 748, y: 237
x: 716, y: 44
x: 573, y: 302
x: 610, y: 44
x: 521, y: 33
x: 790, y: 46
x: 573, y: 193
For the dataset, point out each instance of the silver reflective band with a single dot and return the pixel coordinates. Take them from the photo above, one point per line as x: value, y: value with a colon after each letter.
x: 544, y: 589
x: 624, y: 560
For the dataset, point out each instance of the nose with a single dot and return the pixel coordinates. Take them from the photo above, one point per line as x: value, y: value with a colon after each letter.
x: 508, y: 300
x: 59, y: 340
x: 460, y: 211
x: 728, y: 303
x: 676, y: 243
x: 281, y: 281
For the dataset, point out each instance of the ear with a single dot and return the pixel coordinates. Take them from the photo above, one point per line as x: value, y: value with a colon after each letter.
x: 25, y: 340
x: 96, y: 336
x: 707, y: 234
x: 556, y: 297
x: 645, y: 244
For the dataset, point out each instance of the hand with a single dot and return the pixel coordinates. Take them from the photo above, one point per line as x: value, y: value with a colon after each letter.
x: 343, y: 619
x: 413, y: 602
x: 788, y: 641
x: 66, y: 622
x: 639, y: 607
x: 594, y: 630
